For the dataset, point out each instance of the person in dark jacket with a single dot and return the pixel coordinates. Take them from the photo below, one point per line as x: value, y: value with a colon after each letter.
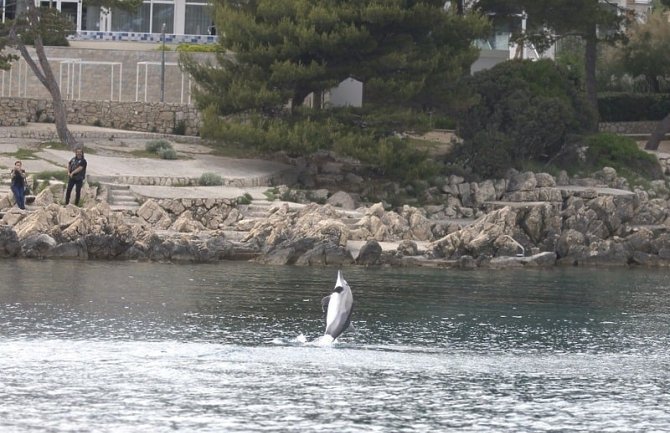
x: 76, y: 172
x: 19, y: 184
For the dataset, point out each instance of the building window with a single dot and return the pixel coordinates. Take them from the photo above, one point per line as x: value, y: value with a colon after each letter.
x: 148, y: 18
x: 163, y: 14
x: 135, y: 21
x: 198, y: 19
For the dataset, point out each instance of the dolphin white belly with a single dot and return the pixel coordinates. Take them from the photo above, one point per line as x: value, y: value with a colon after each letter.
x: 339, y: 307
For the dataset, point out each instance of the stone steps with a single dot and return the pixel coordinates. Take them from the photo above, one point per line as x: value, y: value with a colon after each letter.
x: 120, y: 197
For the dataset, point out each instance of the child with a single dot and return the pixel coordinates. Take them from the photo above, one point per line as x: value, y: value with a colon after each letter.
x: 19, y: 184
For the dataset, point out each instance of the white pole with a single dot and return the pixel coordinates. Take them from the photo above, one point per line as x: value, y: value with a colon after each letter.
x: 120, y: 79
x: 146, y: 77
x: 111, y: 78
x: 181, y: 98
x: 79, y: 81
x: 137, y: 82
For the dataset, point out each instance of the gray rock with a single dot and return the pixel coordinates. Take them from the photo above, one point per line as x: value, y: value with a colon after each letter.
x: 522, y: 182
x: 9, y: 242
x: 370, y: 253
x: 38, y: 245
x: 343, y: 200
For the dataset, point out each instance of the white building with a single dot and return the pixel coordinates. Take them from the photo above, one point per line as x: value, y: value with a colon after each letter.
x: 180, y: 17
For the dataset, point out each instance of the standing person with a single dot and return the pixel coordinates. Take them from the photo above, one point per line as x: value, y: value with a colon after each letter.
x: 76, y: 172
x: 19, y: 184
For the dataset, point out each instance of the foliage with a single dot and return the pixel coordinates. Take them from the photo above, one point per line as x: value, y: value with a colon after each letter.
x: 244, y: 199
x: 646, y: 52
x: 406, y: 53
x: 632, y: 107
x: 272, y: 54
x: 153, y: 146
x: 210, y: 179
x: 162, y: 148
x: 23, y: 153
x: 342, y: 132
x: 622, y: 154
x: 593, y: 21
x: 164, y: 153
x: 6, y: 59
x: 54, y: 27
x: 524, y: 111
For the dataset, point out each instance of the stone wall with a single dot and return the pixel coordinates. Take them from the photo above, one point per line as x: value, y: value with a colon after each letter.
x: 164, y: 118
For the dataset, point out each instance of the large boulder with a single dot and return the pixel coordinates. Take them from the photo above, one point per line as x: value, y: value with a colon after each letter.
x: 370, y: 253
x: 9, y: 242
x: 479, y: 238
x: 154, y: 215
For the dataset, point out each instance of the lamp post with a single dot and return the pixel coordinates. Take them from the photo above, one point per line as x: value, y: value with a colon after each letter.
x: 163, y: 64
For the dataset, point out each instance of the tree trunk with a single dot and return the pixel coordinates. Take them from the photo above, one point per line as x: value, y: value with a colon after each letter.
x: 590, y: 56
x: 60, y: 115
x: 662, y: 128
x: 45, y: 75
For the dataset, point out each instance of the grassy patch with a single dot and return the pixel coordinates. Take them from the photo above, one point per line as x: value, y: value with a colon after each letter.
x: 60, y: 175
x: 23, y: 154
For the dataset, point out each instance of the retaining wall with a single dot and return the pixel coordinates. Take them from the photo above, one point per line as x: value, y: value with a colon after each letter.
x: 164, y: 118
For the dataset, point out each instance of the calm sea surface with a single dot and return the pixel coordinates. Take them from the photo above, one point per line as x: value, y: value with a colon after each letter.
x: 138, y: 347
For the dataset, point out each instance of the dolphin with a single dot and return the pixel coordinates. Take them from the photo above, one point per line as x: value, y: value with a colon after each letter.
x: 338, y: 306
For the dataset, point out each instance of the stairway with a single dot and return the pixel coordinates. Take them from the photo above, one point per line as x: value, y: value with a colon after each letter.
x: 120, y: 197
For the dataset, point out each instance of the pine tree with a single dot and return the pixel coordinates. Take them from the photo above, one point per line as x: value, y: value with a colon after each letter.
x: 274, y: 52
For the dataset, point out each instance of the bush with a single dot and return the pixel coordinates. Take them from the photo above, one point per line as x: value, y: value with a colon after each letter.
x: 154, y: 146
x: 622, y: 154
x: 633, y: 107
x: 167, y: 153
x: 210, y: 179
x: 523, y: 111
x: 244, y: 199
x: 346, y: 132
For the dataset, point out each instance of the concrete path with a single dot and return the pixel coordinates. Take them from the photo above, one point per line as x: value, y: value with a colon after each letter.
x: 110, y: 159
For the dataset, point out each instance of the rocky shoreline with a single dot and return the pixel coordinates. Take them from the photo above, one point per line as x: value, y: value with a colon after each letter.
x: 525, y: 220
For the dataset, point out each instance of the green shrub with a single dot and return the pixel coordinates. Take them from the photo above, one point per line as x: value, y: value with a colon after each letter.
x: 164, y: 153
x: 622, y: 154
x: 154, y: 146
x: 210, y: 179
x: 345, y: 132
x: 244, y: 199
x: 522, y: 111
